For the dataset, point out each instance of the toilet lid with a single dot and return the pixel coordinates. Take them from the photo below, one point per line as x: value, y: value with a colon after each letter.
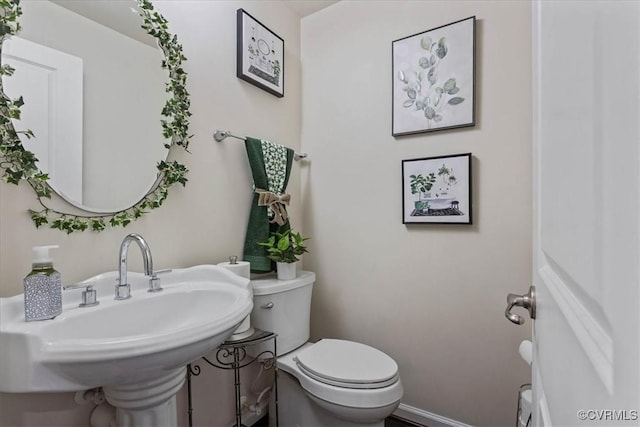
x: 347, y: 364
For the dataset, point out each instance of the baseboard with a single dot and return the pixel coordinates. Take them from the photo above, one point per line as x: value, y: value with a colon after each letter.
x: 425, y: 418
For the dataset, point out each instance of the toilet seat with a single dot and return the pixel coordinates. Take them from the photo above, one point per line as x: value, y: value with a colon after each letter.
x: 345, y: 395
x: 347, y: 364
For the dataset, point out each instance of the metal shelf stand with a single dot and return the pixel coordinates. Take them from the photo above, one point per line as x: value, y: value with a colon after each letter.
x: 232, y: 355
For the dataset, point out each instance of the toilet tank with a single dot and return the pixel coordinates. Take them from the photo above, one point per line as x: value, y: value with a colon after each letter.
x: 284, y: 307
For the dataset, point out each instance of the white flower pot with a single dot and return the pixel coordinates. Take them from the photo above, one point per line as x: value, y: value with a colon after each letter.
x: 286, y: 270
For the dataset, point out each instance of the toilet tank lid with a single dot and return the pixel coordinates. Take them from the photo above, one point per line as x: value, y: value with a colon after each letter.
x: 270, y: 285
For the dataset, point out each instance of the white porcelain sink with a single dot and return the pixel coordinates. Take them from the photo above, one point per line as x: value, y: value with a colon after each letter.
x: 122, y: 343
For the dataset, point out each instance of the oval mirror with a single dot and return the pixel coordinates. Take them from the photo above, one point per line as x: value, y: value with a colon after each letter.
x: 93, y: 78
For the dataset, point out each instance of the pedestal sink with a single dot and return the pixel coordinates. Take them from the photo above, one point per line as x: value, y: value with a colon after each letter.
x: 135, y: 349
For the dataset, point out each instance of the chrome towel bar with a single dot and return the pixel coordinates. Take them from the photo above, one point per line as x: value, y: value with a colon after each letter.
x: 220, y: 135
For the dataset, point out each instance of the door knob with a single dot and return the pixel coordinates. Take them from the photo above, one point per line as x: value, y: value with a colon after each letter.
x: 527, y: 301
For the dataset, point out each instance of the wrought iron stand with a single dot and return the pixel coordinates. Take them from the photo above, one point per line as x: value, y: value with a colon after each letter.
x: 232, y: 355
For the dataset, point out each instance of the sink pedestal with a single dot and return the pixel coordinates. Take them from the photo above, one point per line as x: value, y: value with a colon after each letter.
x: 149, y: 403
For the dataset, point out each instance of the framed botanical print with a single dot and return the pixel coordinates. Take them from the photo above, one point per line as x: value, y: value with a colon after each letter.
x: 260, y: 55
x: 437, y: 190
x: 434, y: 79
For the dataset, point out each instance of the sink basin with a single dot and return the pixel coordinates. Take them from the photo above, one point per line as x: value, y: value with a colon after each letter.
x: 118, y: 343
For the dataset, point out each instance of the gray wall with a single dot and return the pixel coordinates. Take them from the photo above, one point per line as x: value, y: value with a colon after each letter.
x: 431, y: 296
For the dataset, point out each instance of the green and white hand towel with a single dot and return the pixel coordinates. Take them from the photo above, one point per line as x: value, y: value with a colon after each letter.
x: 270, y: 166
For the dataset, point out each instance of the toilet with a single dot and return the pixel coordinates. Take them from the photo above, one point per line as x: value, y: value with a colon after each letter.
x: 328, y: 383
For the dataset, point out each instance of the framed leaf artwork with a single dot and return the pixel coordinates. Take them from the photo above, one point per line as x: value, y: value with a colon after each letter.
x: 434, y: 79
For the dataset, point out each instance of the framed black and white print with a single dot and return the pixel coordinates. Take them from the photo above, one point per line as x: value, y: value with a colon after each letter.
x: 437, y: 190
x: 434, y: 79
x: 260, y: 55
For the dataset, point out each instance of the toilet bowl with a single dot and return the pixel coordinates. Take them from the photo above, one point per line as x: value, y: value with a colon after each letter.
x: 330, y: 382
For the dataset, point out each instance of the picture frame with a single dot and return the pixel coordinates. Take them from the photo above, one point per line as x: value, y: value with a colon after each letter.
x: 260, y: 55
x: 433, y: 79
x: 437, y: 190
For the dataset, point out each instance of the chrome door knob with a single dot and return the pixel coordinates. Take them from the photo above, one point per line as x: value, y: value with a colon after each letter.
x: 527, y: 301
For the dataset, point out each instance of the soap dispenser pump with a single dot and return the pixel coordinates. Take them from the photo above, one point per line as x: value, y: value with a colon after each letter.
x: 42, y: 287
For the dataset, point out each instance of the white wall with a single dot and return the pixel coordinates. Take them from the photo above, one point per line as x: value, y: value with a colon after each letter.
x: 431, y: 296
x: 202, y: 223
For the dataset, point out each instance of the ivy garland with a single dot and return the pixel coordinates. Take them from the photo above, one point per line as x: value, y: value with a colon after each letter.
x: 20, y: 164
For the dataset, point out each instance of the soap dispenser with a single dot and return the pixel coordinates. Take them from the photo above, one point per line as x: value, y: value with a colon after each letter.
x: 42, y: 287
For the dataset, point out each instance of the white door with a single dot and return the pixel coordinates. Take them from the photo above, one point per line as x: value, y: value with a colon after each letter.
x: 586, y: 82
x: 50, y: 82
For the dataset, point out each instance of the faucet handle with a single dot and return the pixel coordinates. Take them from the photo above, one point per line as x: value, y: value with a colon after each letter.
x: 89, y: 295
x: 154, y: 280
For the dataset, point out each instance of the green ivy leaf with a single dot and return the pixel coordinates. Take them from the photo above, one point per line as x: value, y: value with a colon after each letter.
x: 39, y: 217
x: 97, y: 224
x: 6, y: 70
x: 40, y: 176
x: 12, y: 176
x: 68, y: 225
x: 121, y: 219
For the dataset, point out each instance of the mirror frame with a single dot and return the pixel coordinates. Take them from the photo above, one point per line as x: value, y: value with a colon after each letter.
x: 19, y: 164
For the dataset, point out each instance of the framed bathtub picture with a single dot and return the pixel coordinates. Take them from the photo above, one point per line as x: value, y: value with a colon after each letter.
x: 433, y: 85
x: 437, y: 190
x: 260, y: 55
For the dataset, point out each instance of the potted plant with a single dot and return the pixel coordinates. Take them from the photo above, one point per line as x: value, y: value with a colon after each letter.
x: 421, y: 186
x: 284, y: 248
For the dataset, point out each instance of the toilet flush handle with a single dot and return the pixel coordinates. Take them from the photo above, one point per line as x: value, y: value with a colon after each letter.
x: 268, y: 305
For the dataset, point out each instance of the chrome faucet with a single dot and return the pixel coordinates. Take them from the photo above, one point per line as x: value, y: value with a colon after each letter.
x: 123, y: 288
